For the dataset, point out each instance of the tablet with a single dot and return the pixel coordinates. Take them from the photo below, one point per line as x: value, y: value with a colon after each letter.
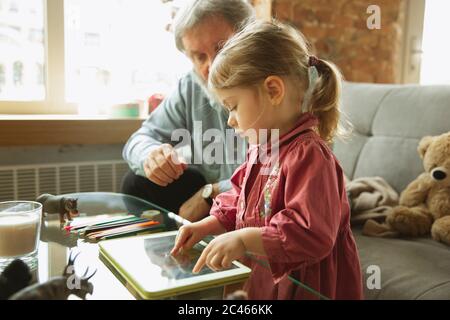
x: 146, y: 267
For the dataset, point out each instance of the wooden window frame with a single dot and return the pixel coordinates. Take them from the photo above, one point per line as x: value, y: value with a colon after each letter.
x: 54, y: 101
x: 55, y: 69
x: 412, y: 41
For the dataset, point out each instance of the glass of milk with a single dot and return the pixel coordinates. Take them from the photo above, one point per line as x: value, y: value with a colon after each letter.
x: 20, y: 224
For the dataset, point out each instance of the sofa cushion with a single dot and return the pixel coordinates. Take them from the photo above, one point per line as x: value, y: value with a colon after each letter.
x: 416, y: 268
x: 388, y: 122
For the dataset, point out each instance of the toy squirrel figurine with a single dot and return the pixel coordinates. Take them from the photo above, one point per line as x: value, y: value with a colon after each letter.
x: 65, y: 207
x: 59, y: 288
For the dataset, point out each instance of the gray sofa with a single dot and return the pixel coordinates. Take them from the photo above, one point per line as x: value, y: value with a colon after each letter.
x: 389, y: 121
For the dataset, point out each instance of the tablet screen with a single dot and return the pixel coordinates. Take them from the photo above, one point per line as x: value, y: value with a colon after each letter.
x: 175, y: 267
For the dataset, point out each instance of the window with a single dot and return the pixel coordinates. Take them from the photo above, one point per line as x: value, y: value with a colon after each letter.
x: 36, y: 35
x: 436, y: 48
x: 18, y: 74
x: 19, y: 53
x: 2, y: 78
x: 39, y: 74
x: 126, y: 55
x: 14, y: 6
x: 91, y: 54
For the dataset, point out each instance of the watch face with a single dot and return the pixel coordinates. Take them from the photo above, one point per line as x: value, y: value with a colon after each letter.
x: 207, y: 190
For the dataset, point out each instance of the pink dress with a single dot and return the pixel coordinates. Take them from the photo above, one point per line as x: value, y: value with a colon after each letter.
x: 302, y: 210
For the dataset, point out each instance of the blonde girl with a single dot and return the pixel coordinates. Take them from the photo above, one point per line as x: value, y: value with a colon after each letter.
x: 297, y: 217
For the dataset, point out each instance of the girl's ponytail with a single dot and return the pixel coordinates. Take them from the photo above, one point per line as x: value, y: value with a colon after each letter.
x: 325, y: 98
x: 263, y: 49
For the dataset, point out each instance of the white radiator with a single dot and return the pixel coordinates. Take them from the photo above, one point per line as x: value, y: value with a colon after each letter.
x: 27, y: 182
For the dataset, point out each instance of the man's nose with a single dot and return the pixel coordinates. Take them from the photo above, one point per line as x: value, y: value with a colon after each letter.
x: 205, y: 69
x: 232, y: 121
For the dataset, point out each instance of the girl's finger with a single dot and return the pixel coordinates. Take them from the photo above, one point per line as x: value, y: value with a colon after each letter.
x: 226, y: 262
x: 180, y: 240
x: 190, y: 242
x: 211, y: 255
x: 201, y: 261
x: 216, y: 261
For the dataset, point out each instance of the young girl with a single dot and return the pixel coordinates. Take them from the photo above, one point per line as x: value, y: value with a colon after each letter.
x: 297, y: 217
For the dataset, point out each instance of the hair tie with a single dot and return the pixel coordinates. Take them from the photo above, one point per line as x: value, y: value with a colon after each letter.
x: 313, y: 61
x: 313, y: 75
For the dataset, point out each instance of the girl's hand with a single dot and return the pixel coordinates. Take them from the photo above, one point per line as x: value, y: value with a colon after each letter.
x: 188, y: 236
x: 220, y: 252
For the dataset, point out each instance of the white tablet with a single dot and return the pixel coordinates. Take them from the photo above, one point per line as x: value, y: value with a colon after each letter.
x: 144, y: 264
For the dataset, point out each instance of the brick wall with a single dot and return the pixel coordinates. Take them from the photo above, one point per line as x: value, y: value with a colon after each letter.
x: 338, y: 31
x: 263, y: 8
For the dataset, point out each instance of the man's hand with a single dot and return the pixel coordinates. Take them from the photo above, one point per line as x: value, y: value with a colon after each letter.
x: 195, y: 208
x: 163, y: 166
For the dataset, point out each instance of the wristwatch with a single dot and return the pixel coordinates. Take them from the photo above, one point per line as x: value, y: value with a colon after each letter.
x: 207, y: 193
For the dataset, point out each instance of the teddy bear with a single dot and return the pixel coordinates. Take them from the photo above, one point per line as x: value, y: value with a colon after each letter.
x: 424, y: 205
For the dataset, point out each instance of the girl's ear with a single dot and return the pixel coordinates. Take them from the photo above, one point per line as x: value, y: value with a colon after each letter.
x: 275, y: 88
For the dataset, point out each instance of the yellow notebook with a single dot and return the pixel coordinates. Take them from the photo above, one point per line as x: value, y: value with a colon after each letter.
x: 146, y: 268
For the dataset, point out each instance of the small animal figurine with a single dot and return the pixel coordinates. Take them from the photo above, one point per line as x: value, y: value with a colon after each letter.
x: 14, y: 278
x: 65, y: 207
x: 59, y: 288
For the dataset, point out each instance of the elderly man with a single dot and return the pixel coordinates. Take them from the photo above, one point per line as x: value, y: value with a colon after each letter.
x: 159, y: 175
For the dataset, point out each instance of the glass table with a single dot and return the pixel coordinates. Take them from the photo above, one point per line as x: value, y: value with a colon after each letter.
x: 56, y: 244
